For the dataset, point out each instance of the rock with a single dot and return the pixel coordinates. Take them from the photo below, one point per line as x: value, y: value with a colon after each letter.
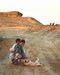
x: 10, y: 14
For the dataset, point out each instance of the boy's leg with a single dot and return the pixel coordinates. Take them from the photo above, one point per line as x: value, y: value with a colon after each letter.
x: 17, y: 58
x: 12, y: 57
x: 23, y: 56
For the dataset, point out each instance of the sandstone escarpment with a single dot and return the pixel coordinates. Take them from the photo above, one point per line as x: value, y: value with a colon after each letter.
x: 15, y: 19
x: 10, y: 14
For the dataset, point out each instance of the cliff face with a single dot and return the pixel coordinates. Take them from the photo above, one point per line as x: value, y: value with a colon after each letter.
x: 15, y: 19
x: 10, y: 14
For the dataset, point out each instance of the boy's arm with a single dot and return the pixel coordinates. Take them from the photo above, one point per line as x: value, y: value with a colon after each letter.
x: 12, y: 48
x: 24, y: 50
x: 26, y: 56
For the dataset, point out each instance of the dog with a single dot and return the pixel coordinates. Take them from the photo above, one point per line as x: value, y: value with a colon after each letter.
x: 28, y: 62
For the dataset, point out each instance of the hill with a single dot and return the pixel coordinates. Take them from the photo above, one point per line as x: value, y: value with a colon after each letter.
x: 15, y: 19
x: 41, y: 41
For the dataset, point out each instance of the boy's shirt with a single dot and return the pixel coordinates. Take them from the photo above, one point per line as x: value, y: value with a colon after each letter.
x: 13, y: 48
x: 19, y: 49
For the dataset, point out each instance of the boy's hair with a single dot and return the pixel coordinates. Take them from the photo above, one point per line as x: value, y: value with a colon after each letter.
x: 18, y: 39
x: 22, y: 41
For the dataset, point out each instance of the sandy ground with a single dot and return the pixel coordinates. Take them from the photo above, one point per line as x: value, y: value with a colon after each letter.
x: 44, y: 44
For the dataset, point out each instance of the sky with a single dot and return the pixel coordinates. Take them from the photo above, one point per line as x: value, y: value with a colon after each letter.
x: 45, y: 11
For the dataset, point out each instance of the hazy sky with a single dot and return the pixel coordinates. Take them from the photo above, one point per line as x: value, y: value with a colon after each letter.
x: 45, y: 11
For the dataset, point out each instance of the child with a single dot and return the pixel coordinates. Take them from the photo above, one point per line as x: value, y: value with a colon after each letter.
x: 20, y: 53
x: 17, y: 50
x: 12, y: 50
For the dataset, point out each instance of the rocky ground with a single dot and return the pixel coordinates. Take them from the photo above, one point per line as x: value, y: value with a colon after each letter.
x: 44, y: 44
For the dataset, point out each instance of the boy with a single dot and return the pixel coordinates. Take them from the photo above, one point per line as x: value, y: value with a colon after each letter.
x: 20, y: 54
x: 17, y: 51
x: 12, y: 50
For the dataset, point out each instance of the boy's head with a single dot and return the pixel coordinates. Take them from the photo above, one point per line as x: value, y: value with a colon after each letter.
x: 22, y: 42
x: 18, y: 41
